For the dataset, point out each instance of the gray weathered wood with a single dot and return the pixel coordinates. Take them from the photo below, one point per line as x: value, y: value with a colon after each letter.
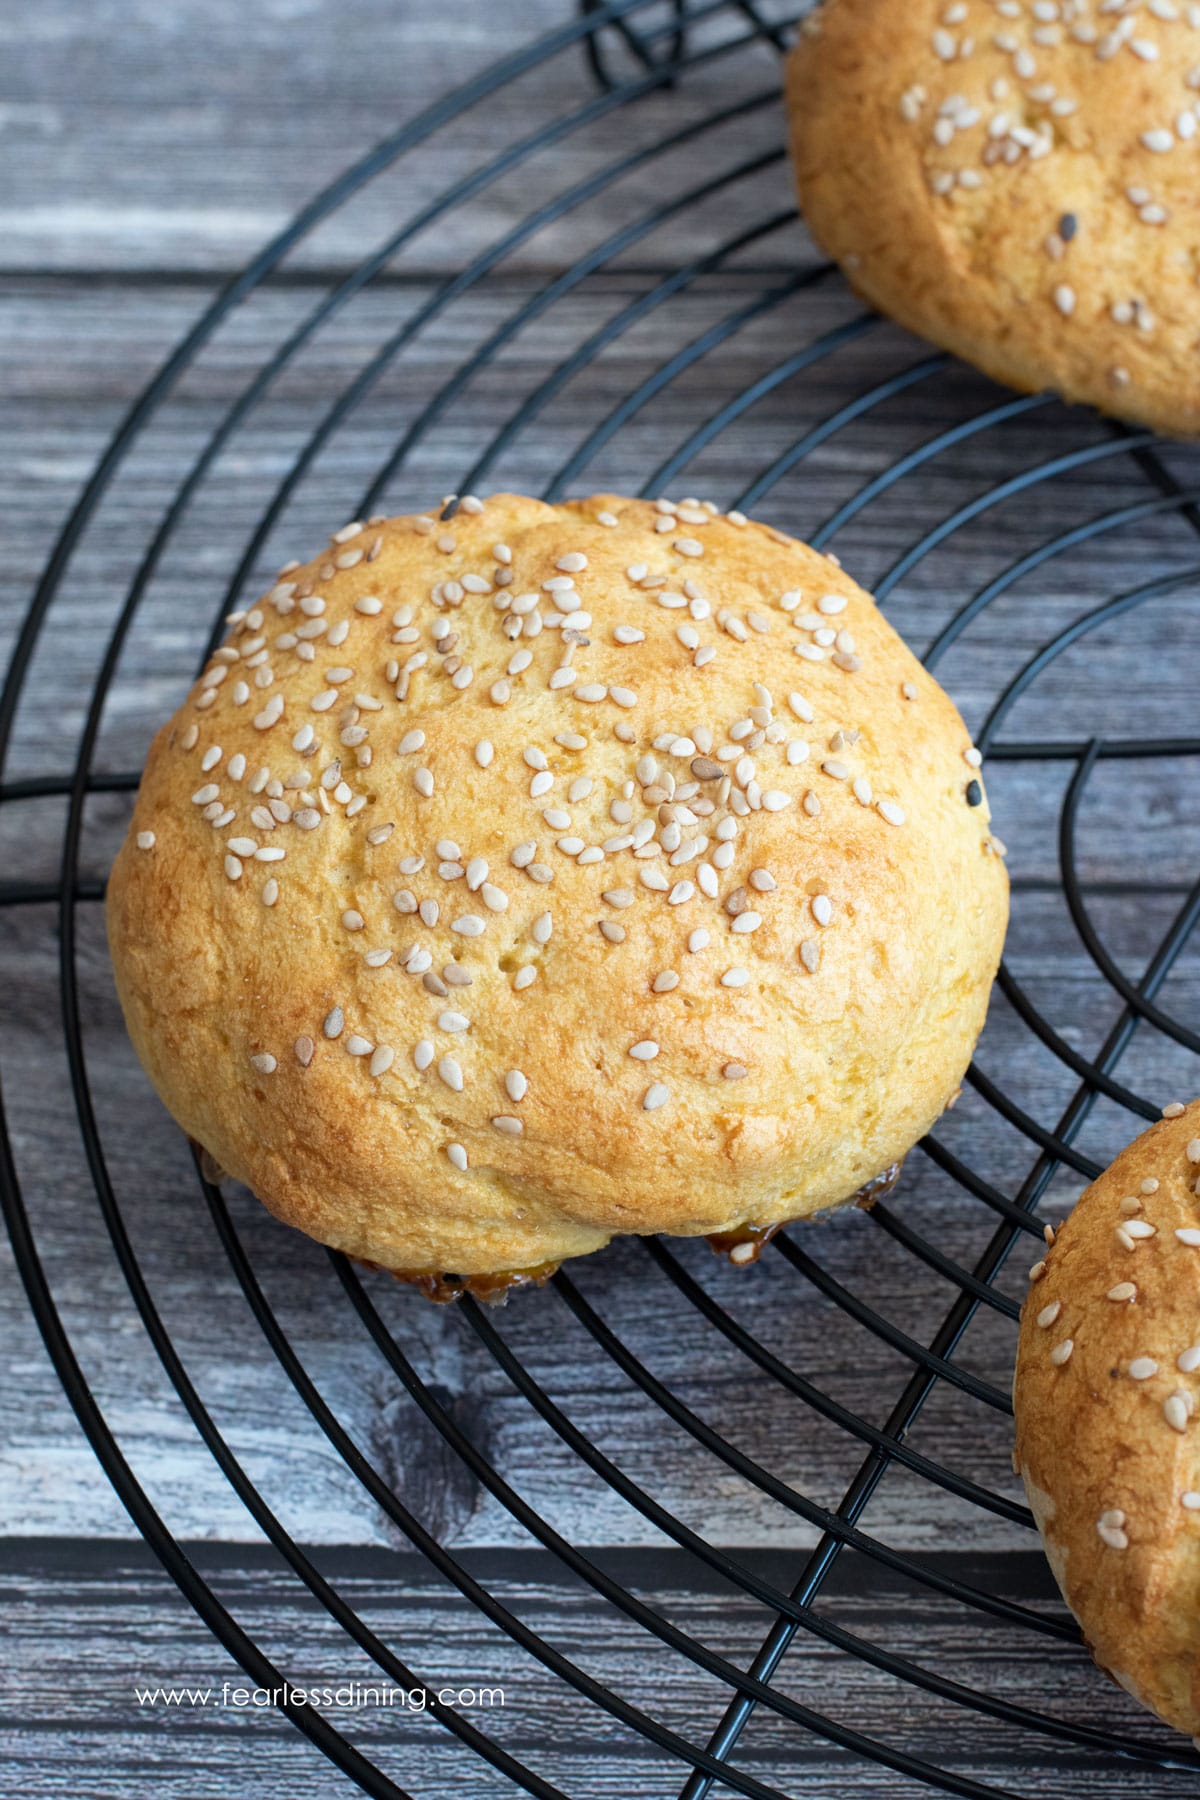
x: 95, y: 1623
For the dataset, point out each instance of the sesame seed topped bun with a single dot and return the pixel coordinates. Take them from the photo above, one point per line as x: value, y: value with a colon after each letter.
x: 1019, y: 181
x: 1108, y: 1372
x: 535, y: 873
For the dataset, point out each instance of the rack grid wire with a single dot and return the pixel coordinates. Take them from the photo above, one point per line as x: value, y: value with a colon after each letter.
x: 689, y: 277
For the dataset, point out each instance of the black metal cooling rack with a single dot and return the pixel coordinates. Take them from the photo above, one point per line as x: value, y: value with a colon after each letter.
x: 1076, y: 503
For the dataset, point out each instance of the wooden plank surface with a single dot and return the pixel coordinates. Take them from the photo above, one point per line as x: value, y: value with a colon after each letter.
x: 85, y: 1733
x: 158, y: 148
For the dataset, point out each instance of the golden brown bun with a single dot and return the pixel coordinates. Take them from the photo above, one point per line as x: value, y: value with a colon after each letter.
x: 848, y: 1056
x: 1065, y: 256
x: 1106, y: 1442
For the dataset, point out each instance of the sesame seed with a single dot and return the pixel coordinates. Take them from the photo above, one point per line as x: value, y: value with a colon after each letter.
x: 423, y: 1054
x: 145, y: 840
x: 887, y: 809
x: 1188, y: 1234
x: 382, y: 1060
x: 656, y: 1096
x: 735, y: 978
x: 516, y: 1085
x: 1175, y: 1411
x: 1049, y: 1313
x: 264, y: 1062
x: 746, y: 922
x: 1173, y: 1109
x: 509, y: 1126
x: 358, y: 1046
x: 1061, y: 1352
x: 458, y: 1156
x: 1108, y: 1528
x: 1124, y: 1290
x: 1064, y: 299
x: 334, y: 1022
x: 353, y: 921
x: 810, y: 955
x: 453, y: 1021
x: 451, y: 1073
x: 1142, y: 1368
x: 734, y: 1071
x: 645, y: 1051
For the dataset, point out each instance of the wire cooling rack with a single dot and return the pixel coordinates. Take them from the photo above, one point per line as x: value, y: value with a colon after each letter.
x: 1044, y: 559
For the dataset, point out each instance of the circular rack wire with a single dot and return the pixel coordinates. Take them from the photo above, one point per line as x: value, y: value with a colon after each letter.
x: 1066, y: 498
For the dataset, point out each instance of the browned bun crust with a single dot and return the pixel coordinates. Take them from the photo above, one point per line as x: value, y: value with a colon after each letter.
x: 1105, y: 1395
x: 718, y: 752
x: 1025, y: 192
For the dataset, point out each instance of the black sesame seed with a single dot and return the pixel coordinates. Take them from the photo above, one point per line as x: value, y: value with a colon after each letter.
x: 974, y: 793
x: 1068, y: 225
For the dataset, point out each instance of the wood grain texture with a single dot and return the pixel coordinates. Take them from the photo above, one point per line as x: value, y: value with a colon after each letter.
x: 98, y: 1624
x: 184, y: 137
x: 159, y: 147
